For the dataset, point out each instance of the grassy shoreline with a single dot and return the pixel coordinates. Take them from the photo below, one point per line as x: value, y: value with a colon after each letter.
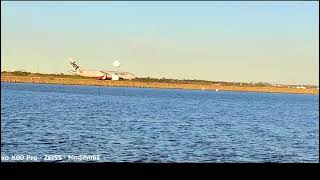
x: 75, y: 80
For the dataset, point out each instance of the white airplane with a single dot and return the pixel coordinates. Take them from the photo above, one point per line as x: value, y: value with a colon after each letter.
x: 101, y: 75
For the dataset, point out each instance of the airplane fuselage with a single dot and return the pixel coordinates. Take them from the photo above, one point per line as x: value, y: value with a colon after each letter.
x: 114, y: 75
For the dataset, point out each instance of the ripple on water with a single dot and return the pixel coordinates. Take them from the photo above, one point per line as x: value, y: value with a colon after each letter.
x: 158, y: 125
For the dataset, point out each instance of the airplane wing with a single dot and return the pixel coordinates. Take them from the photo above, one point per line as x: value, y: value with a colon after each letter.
x: 106, y: 73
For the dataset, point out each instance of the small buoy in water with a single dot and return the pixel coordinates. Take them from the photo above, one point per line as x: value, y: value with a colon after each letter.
x: 217, y: 90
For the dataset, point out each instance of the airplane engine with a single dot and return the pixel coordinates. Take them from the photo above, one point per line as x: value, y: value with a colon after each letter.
x: 103, y: 78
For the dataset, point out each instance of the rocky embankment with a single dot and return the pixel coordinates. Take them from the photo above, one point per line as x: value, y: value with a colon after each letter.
x: 94, y: 82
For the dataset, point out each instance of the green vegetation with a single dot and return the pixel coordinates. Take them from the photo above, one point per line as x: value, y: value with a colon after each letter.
x: 29, y: 74
x: 203, y: 82
x: 148, y: 79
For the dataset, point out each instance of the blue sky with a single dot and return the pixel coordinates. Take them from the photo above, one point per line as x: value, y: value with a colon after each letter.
x: 224, y: 41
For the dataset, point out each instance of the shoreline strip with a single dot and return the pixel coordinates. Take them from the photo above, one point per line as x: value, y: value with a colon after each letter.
x: 162, y: 85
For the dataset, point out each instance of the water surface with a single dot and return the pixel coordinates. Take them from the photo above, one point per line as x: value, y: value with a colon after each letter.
x: 158, y: 125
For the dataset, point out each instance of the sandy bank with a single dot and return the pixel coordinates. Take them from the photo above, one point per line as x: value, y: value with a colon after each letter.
x: 94, y: 82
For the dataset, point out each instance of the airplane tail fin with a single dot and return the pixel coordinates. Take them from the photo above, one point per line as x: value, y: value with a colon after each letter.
x: 74, y: 67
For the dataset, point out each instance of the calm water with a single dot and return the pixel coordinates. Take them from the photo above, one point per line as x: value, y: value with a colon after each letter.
x: 158, y: 125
